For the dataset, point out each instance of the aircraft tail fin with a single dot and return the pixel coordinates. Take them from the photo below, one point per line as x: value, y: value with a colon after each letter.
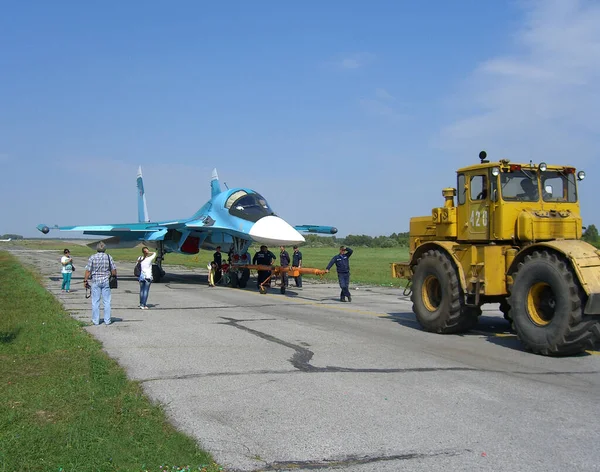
x: 215, y: 186
x: 142, y: 208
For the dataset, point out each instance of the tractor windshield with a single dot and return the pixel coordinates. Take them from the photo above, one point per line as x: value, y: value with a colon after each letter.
x: 520, y: 186
x: 559, y: 187
x: 251, y: 207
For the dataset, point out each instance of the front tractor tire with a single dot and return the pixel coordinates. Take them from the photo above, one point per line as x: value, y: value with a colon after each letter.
x: 547, y: 307
x: 437, y: 297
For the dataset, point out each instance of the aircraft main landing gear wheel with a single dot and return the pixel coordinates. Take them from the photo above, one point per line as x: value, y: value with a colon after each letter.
x: 547, y: 307
x: 243, y: 279
x: 437, y: 298
x: 157, y: 273
x: 233, y: 279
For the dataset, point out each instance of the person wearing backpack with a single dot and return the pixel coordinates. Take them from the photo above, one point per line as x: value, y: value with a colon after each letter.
x: 143, y: 270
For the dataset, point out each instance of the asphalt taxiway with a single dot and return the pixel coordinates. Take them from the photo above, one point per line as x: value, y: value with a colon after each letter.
x: 303, y: 382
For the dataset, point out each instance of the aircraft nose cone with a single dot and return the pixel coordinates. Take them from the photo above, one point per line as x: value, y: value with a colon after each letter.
x: 274, y: 230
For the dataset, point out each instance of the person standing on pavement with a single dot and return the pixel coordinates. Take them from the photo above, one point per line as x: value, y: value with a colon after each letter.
x: 66, y: 270
x: 212, y: 269
x: 145, y: 275
x: 342, y: 265
x: 98, y: 269
x: 284, y: 261
x: 263, y: 257
x: 218, y: 260
x: 297, y: 262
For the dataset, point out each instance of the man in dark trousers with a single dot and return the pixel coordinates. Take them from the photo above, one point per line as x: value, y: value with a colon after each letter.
x: 263, y: 257
x: 218, y: 259
x: 297, y: 262
x: 342, y: 264
x: 284, y: 261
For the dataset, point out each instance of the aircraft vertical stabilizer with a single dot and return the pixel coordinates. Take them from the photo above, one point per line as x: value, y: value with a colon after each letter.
x: 142, y: 208
x: 215, y: 186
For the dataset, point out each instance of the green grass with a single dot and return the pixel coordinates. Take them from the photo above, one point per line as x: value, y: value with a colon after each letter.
x: 65, y: 405
x: 367, y: 265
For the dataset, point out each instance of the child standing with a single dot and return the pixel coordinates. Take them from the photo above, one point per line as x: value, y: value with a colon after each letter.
x: 67, y: 270
x: 212, y: 270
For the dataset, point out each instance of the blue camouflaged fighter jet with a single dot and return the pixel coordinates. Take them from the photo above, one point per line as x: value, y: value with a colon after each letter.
x: 232, y: 219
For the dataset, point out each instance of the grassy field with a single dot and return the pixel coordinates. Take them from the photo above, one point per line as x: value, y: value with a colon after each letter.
x: 368, y: 265
x: 64, y: 405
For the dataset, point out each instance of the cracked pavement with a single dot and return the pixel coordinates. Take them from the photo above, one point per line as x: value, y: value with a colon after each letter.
x: 303, y: 382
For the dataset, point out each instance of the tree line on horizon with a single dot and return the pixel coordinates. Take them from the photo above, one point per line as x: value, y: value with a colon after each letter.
x: 591, y: 235
x: 358, y: 240
x: 11, y: 236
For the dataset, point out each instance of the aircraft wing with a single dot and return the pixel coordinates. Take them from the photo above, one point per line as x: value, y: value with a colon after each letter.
x: 126, y: 231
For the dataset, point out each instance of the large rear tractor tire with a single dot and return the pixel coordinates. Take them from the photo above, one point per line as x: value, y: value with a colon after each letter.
x: 437, y: 297
x: 547, y: 307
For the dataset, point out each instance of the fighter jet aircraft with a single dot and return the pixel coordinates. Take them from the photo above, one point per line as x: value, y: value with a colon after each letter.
x: 232, y: 219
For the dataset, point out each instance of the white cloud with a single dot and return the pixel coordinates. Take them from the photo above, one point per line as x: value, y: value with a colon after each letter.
x: 350, y: 63
x: 542, y: 99
x: 354, y: 61
x: 383, y: 105
x: 383, y: 94
x: 376, y: 107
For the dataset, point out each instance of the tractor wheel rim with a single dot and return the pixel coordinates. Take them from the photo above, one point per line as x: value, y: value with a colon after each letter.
x: 541, y: 304
x: 431, y: 293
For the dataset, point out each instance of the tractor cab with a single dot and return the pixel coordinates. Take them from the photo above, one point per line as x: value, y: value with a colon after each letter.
x: 527, y: 202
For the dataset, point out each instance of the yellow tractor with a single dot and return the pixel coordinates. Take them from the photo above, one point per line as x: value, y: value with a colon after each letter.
x: 514, y: 238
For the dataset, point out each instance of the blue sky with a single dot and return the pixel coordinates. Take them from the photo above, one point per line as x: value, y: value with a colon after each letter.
x: 353, y: 114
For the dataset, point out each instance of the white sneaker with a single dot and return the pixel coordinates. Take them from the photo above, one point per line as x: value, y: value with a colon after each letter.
x: 144, y: 307
x: 141, y: 307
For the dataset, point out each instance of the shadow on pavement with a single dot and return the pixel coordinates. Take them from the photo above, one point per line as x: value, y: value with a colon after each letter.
x: 494, y: 329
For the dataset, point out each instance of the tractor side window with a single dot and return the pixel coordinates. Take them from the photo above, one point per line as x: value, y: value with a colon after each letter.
x: 479, y: 189
x: 558, y: 187
x: 461, y: 189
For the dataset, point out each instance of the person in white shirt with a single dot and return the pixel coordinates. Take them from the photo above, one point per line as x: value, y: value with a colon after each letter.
x: 145, y: 275
x: 67, y: 270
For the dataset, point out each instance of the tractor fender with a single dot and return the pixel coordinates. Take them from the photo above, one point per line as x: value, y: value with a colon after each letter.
x: 446, y: 247
x: 584, y: 259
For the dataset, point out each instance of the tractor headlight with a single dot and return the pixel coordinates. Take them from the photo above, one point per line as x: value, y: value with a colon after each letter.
x: 580, y: 175
x: 495, y: 171
x: 543, y: 167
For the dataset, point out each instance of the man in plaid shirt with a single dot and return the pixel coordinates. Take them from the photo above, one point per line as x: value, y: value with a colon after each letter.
x: 98, y: 269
